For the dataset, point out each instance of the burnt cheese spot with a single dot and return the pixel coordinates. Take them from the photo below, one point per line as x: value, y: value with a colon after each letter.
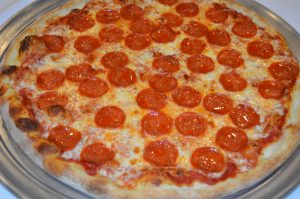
x: 27, y: 124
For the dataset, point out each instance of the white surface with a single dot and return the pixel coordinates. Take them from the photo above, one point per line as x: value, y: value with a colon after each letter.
x: 287, y: 9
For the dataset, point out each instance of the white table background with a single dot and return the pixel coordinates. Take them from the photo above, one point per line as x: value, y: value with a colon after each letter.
x: 287, y: 9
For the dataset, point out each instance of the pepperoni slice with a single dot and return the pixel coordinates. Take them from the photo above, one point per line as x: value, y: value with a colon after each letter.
x: 186, y: 96
x: 244, y: 116
x: 121, y: 77
x: 232, y: 81
x: 230, y: 57
x: 187, y: 9
x: 50, y: 79
x: 114, y: 60
x: 284, y: 71
x: 217, y: 103
x: 79, y: 20
x: 163, y: 83
x: 217, y: 14
x: 65, y: 137
x: 169, y: 64
x: 77, y: 73
x: 168, y: 2
x: 156, y: 123
x: 151, y: 99
x: 86, y: 44
x: 53, y: 42
x: 245, y: 29
x: 96, y: 153
x: 110, y: 117
x: 271, y: 89
x: 260, y: 49
x: 171, y: 20
x: 131, y: 12
x: 191, y: 124
x: 192, y: 46
x: 161, y: 153
x: 111, y: 34
x: 51, y: 98
x: 107, y: 16
x: 218, y: 37
x: 92, y: 87
x: 163, y: 34
x: 137, y: 41
x: 200, y: 64
x: 141, y: 25
x: 195, y: 29
x: 208, y: 159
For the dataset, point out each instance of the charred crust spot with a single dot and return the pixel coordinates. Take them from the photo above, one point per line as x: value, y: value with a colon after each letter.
x: 25, y: 43
x: 27, y: 124
x: 45, y: 147
x: 3, y: 90
x: 7, y: 70
x: 55, y: 110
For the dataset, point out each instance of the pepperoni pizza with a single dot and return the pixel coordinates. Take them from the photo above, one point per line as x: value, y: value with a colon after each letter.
x: 154, y: 98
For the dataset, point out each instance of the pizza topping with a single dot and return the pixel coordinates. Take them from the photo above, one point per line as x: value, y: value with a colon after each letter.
x: 163, y: 83
x: 187, y: 9
x: 195, y: 29
x: 56, y: 110
x: 141, y: 25
x: 93, y: 87
x: 163, y: 34
x: 260, y: 49
x: 161, y: 153
x: 151, y: 99
x: 65, y: 137
x: 217, y: 14
x: 77, y: 73
x: 171, y: 20
x: 51, y: 98
x: 121, y: 77
x: 218, y: 37
x: 169, y: 64
x: 27, y: 124
x: 110, y: 117
x: 137, y: 41
x: 86, y: 44
x: 232, y: 81
x: 50, y: 79
x: 53, y: 42
x: 114, y: 60
x: 245, y: 29
x: 186, y: 96
x: 168, y: 2
x: 96, y: 153
x: 284, y: 71
x: 271, y: 89
x: 192, y: 46
x: 230, y: 57
x: 244, y: 116
x: 111, y: 34
x: 218, y: 103
x: 191, y: 124
x: 131, y: 12
x: 208, y: 159
x: 156, y: 123
x: 107, y: 16
x: 79, y: 20
x: 200, y: 64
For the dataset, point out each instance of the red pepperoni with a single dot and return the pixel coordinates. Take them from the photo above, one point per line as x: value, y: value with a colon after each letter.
x: 53, y: 42
x: 218, y: 37
x: 231, y: 139
x: 137, y: 41
x: 260, y: 49
x: 111, y: 34
x: 171, y: 20
x: 51, y: 98
x: 141, y: 25
x: 284, y: 70
x: 107, y: 16
x: 232, y: 81
x: 168, y: 2
x: 200, y: 64
x: 230, y: 57
x: 151, y: 99
x: 77, y: 73
x: 156, y: 123
x: 121, y: 77
x: 86, y: 44
x: 131, y: 12
x: 161, y: 153
x: 195, y: 29
x: 244, y: 116
x: 217, y: 14
x: 93, y: 87
x: 65, y: 137
x: 187, y: 9
x: 114, y: 60
x: 217, y: 103
x: 191, y: 124
x: 169, y: 64
x: 96, y: 153
x: 163, y: 34
x: 50, y: 79
x: 110, y: 117
x: 186, y: 96
x: 271, y: 89
x: 163, y: 83
x: 208, y: 159
x: 79, y: 21
x: 192, y: 46
x: 245, y: 29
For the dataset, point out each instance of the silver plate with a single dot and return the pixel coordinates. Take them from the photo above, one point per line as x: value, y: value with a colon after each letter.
x: 27, y: 180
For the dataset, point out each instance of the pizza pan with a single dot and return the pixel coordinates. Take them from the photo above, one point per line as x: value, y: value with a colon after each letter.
x: 27, y: 180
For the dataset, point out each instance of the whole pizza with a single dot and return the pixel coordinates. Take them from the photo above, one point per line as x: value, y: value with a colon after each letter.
x: 153, y: 98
